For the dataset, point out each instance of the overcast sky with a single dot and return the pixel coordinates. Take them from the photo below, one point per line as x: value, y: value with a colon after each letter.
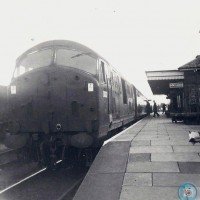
x: 134, y: 36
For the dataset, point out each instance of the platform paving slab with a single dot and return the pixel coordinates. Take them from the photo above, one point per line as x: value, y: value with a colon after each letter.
x: 175, y: 157
x: 140, y: 143
x: 147, y: 135
x: 179, y: 137
x: 178, y: 133
x: 139, y: 157
x: 149, y: 193
x: 114, y: 156
x: 138, y: 179
x: 175, y: 179
x: 186, y: 149
x: 189, y: 167
x: 151, y: 149
x: 100, y: 187
x: 163, y: 133
x: 131, y: 132
x: 115, y: 148
x: 116, y: 164
x: 160, y: 137
x: 146, y: 132
x: 152, y: 167
x: 125, y: 138
x: 172, y: 142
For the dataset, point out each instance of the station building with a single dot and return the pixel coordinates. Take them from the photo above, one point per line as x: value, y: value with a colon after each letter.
x: 182, y: 87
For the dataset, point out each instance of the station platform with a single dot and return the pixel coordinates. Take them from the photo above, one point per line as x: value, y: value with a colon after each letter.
x: 149, y: 160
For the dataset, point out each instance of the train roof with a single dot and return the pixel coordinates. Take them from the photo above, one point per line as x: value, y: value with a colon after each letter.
x: 61, y: 43
x: 68, y: 44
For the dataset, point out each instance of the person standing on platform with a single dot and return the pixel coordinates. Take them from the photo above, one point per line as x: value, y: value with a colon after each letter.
x: 164, y: 108
x: 155, y: 112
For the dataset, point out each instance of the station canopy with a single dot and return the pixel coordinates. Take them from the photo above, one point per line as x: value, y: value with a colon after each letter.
x: 161, y: 81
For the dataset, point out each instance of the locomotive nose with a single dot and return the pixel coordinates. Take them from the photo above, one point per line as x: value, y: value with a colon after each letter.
x: 54, y: 99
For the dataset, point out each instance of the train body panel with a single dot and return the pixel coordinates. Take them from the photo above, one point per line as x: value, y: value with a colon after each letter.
x: 60, y: 96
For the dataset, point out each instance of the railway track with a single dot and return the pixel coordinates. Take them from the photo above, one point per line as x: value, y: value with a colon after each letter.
x: 21, y: 181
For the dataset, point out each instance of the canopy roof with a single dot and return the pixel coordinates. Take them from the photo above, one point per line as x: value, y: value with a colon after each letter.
x: 159, y: 81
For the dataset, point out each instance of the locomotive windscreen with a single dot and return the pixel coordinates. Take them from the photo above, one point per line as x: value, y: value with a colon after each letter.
x: 64, y: 57
x: 76, y: 59
x: 34, y: 60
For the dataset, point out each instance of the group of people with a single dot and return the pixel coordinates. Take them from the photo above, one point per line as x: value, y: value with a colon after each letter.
x: 155, y: 109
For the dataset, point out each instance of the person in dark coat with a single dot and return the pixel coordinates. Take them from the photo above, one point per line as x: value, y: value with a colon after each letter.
x: 164, y: 107
x: 155, y: 112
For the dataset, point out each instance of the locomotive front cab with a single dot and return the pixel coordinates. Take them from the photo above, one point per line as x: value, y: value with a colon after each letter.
x: 33, y: 60
x: 54, y: 94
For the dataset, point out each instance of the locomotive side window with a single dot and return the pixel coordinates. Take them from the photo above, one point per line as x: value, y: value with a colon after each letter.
x: 33, y: 60
x: 115, y: 81
x: 124, y: 91
x: 76, y: 59
x: 102, y: 72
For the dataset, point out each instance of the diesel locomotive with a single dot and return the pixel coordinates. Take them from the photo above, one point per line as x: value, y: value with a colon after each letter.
x: 65, y: 96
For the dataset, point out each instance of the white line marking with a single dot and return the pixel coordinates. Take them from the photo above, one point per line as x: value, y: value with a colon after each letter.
x: 112, y: 138
x: 58, y: 161
x: 6, y: 189
x: 2, y: 191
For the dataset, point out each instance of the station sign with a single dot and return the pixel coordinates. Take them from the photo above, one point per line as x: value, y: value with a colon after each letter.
x: 176, y: 85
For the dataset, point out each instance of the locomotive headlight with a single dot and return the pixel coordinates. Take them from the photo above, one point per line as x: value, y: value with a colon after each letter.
x: 58, y: 127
